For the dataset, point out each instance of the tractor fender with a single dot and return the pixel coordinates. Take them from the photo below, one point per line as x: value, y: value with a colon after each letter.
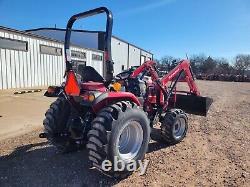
x: 108, y: 98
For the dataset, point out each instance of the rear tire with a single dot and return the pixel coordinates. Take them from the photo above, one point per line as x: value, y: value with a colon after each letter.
x: 174, y: 126
x: 121, y: 130
x: 55, y: 124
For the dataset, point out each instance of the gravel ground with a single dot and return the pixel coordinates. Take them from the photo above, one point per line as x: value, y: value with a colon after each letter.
x: 216, y: 152
x: 21, y: 113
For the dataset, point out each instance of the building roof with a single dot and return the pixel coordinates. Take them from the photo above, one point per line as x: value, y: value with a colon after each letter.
x: 87, y: 31
x: 30, y: 34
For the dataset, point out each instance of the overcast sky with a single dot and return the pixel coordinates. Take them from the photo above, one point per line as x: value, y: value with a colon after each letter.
x: 220, y: 28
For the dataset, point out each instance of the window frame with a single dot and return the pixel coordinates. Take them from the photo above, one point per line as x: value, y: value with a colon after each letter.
x: 80, y: 53
x: 94, y: 55
x: 42, y: 45
x: 15, y: 40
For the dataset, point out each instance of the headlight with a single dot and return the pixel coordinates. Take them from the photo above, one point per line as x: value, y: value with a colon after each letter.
x: 91, y: 97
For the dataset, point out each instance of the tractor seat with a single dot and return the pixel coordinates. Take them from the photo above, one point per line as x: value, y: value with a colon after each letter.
x: 88, y: 73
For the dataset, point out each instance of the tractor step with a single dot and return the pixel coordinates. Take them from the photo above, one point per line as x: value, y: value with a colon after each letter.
x: 192, y: 104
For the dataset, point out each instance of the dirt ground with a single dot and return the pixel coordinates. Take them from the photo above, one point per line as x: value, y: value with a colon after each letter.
x: 216, y: 151
x: 21, y: 113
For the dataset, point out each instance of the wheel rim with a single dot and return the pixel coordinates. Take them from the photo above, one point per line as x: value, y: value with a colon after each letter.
x: 130, y: 140
x: 179, y: 128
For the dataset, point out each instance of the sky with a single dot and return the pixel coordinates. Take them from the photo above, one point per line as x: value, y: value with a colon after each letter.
x: 217, y: 28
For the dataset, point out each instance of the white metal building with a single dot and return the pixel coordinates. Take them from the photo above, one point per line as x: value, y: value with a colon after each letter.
x: 32, y: 59
x: 124, y: 54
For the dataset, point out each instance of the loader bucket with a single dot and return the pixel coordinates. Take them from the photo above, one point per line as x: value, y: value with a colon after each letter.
x: 192, y: 104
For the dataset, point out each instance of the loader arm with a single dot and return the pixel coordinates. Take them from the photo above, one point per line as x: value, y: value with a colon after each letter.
x: 191, y: 102
x: 146, y: 66
x: 183, y: 66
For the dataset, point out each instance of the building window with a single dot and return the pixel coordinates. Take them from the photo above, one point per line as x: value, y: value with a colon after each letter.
x: 96, y: 57
x: 78, y: 54
x: 80, y: 68
x: 78, y: 65
x: 7, y: 43
x: 44, y: 49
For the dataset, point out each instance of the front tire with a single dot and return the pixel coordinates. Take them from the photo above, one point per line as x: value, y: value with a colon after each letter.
x: 174, y: 126
x: 120, y: 131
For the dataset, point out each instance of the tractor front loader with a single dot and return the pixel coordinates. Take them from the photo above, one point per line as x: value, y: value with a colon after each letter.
x: 111, y: 123
x: 161, y: 99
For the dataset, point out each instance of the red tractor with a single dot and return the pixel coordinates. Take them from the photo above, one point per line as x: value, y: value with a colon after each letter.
x: 95, y: 113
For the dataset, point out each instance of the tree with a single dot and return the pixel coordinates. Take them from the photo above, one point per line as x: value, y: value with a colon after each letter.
x: 169, y: 62
x: 242, y: 63
x: 208, y: 66
x: 167, y: 59
x: 223, y: 66
x: 157, y: 61
x: 196, y: 62
x: 166, y: 62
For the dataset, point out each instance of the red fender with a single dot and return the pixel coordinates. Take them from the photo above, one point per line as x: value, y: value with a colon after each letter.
x: 108, y: 98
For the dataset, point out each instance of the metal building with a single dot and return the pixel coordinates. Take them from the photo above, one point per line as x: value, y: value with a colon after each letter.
x: 32, y: 59
x: 124, y: 54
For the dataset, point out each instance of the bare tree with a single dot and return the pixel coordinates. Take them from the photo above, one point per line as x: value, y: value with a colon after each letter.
x: 169, y: 62
x: 242, y: 63
x: 223, y: 66
x: 157, y: 61
x: 196, y: 61
x: 209, y: 65
x: 167, y: 59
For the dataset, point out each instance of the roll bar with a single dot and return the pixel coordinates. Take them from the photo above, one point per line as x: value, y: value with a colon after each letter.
x: 108, y: 34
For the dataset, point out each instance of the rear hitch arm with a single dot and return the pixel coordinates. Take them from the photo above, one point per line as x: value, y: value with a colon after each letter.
x: 45, y: 135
